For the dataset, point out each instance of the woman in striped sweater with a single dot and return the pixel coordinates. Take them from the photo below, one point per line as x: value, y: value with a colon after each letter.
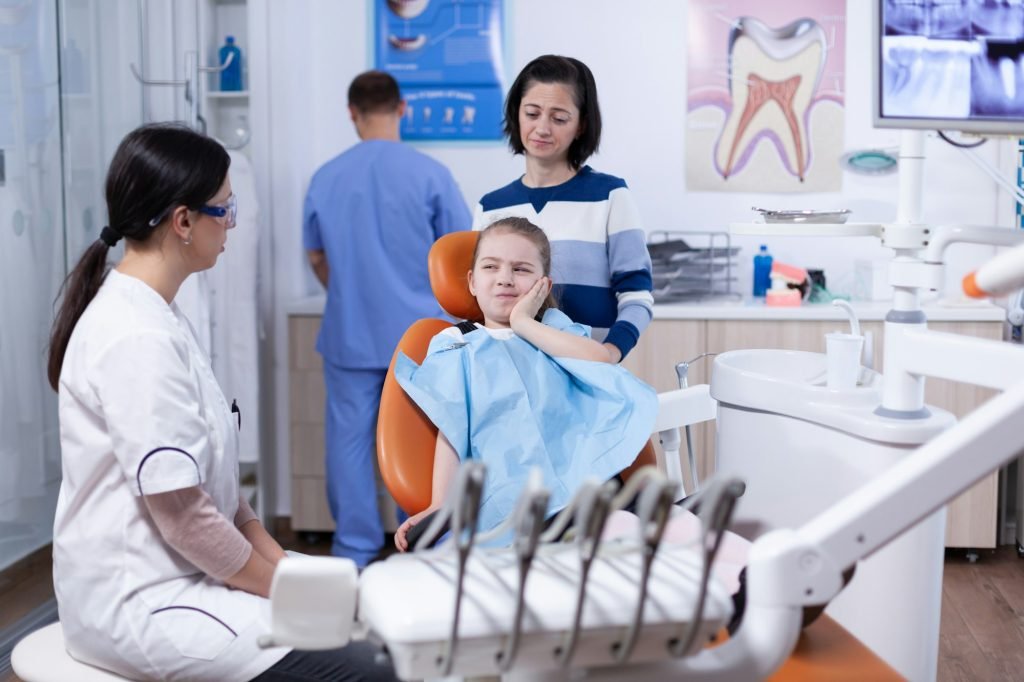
x: 600, y: 264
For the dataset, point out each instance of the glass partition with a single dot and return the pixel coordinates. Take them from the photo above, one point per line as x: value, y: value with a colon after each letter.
x: 66, y: 99
x: 31, y: 269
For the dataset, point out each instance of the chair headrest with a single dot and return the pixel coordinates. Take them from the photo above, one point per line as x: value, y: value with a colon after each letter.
x: 450, y: 259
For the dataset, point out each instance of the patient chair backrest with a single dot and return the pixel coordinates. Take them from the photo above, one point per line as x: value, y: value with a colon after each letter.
x: 450, y: 259
x: 405, y: 437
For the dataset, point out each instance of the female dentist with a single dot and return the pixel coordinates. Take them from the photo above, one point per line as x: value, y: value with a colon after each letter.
x: 160, y: 568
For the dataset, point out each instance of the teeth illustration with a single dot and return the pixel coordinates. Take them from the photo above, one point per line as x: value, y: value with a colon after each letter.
x: 407, y: 44
x: 773, y: 74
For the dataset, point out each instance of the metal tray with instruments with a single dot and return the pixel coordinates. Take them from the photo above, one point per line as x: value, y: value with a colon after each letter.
x: 804, y: 216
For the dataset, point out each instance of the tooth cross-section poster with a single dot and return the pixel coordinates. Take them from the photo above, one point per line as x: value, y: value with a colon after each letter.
x: 447, y: 57
x: 765, y: 92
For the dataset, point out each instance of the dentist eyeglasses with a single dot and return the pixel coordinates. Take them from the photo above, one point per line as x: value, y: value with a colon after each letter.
x: 228, y: 209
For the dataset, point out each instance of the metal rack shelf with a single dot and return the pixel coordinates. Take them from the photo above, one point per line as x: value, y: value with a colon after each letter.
x: 684, y: 272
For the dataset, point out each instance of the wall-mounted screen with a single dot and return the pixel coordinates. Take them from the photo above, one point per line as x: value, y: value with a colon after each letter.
x: 950, y: 64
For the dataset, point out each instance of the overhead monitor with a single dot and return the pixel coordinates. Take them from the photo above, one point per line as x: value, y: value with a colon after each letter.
x: 949, y: 65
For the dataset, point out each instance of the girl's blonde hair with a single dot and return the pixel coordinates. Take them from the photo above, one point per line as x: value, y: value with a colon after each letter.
x: 524, y: 227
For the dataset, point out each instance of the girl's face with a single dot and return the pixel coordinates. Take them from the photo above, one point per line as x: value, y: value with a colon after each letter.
x: 548, y: 121
x: 507, y: 266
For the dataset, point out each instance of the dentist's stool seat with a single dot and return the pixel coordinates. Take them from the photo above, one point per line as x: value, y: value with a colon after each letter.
x: 405, y: 437
x: 41, y: 657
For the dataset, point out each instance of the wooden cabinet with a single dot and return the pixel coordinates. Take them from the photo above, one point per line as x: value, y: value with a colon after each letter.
x: 971, y: 520
x: 306, y: 400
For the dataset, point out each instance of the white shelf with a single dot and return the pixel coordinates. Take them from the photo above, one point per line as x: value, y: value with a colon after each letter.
x: 808, y: 229
x: 227, y: 94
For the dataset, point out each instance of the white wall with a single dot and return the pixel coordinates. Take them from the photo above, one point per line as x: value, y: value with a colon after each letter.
x: 317, y: 46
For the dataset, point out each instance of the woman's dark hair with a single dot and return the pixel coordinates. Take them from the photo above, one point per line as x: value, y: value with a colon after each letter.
x: 575, y: 75
x: 525, y: 228
x: 155, y: 169
x: 374, y: 92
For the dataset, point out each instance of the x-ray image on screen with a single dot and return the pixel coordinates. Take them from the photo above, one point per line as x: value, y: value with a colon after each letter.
x: 952, y: 59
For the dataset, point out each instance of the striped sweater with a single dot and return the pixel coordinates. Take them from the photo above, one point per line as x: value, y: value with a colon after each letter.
x: 599, y: 259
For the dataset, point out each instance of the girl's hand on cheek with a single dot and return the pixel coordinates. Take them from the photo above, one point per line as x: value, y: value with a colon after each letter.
x: 529, y: 303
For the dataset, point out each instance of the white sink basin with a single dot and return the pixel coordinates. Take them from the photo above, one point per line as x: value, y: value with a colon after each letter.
x: 792, y: 383
x: 787, y: 374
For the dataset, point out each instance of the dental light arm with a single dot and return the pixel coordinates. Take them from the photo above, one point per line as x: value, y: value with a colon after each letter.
x: 942, y: 236
x: 1000, y: 276
x: 922, y: 482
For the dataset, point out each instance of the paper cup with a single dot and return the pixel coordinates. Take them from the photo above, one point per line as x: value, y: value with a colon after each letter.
x: 842, y: 353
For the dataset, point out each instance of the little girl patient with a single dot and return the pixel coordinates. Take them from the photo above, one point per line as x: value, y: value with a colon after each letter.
x: 530, y: 388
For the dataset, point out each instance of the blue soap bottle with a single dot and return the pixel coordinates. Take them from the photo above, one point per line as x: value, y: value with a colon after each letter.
x: 762, y: 271
x: 231, y: 77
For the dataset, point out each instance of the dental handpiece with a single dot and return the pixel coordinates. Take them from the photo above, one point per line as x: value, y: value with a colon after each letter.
x: 591, y: 515
x: 529, y: 516
x: 466, y: 495
x: 717, y: 502
x: 682, y: 375
x: 653, y: 509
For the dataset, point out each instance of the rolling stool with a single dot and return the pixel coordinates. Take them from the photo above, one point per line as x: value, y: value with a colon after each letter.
x: 41, y: 657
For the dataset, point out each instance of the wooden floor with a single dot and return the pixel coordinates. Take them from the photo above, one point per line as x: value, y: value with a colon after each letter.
x: 981, y: 638
x: 982, y: 632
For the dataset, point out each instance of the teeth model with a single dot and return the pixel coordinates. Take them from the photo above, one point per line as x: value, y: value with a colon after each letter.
x: 773, y: 74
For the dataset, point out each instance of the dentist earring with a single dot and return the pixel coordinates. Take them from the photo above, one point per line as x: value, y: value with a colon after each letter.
x: 187, y: 240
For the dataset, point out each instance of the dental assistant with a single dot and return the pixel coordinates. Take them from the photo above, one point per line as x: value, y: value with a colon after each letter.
x: 371, y: 215
x: 161, y: 569
x: 600, y: 264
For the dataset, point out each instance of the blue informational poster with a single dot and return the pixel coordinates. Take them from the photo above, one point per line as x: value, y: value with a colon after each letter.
x: 447, y: 57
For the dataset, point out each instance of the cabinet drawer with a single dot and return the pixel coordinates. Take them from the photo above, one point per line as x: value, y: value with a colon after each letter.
x: 309, y: 504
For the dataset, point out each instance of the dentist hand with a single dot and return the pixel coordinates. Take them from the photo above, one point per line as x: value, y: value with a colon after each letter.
x: 529, y: 303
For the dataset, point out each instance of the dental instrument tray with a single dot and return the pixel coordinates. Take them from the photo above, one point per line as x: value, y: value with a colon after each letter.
x: 804, y: 216
x: 684, y: 272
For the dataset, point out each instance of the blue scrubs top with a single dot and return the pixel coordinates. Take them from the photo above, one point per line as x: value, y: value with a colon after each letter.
x: 507, y: 403
x: 375, y: 210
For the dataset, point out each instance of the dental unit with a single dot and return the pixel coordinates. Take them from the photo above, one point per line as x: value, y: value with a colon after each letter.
x: 626, y: 608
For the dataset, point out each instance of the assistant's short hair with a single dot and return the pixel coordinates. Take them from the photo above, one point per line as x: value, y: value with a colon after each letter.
x: 374, y: 92
x: 577, y: 77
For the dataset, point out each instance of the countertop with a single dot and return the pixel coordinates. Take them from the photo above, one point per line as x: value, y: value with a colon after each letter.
x: 936, y: 310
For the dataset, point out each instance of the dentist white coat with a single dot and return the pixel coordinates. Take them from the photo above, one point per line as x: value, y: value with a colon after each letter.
x: 141, y: 413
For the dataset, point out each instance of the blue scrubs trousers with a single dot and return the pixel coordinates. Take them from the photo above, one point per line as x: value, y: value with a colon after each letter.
x: 353, y: 398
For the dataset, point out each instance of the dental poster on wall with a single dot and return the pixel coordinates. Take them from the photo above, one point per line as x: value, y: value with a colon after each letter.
x: 765, y: 94
x: 447, y: 58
